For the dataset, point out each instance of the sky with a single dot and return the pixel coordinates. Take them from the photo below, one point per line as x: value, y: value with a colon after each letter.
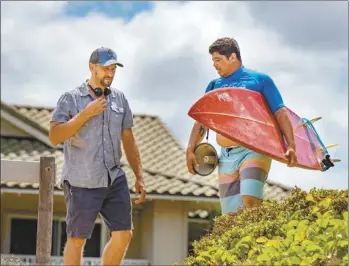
x: 303, y: 46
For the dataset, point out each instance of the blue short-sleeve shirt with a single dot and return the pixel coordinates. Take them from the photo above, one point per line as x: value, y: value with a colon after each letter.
x: 252, y: 80
x: 95, y: 150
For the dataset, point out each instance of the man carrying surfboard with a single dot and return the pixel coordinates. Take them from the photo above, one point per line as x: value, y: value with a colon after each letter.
x: 242, y: 172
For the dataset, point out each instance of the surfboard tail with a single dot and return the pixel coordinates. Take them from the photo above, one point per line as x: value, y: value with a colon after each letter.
x: 326, y: 162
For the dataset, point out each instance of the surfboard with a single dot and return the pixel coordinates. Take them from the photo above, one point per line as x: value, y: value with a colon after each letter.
x: 244, y: 116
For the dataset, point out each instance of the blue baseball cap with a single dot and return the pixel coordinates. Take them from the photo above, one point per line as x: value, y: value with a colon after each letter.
x: 105, y: 57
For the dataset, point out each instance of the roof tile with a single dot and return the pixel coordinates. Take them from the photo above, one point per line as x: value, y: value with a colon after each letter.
x: 162, y: 157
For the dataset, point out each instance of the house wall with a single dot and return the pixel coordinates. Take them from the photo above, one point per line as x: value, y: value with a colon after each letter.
x: 165, y: 232
x: 160, y: 226
x: 22, y: 205
x: 8, y: 129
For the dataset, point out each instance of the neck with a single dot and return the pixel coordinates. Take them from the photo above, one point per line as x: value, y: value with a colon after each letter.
x: 234, y: 68
x: 94, y: 84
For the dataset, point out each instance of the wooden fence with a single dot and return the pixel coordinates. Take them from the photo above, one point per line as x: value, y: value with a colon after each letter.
x: 42, y: 172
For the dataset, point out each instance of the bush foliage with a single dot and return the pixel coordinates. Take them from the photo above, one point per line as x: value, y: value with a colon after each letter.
x: 305, y: 229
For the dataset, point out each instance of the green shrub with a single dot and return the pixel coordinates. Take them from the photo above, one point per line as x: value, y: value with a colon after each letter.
x: 305, y: 229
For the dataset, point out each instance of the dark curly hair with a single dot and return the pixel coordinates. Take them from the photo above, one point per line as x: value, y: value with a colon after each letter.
x: 225, y: 46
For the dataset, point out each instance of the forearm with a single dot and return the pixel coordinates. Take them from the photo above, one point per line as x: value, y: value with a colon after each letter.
x: 132, y: 155
x: 196, y: 136
x: 286, y: 127
x: 61, y: 132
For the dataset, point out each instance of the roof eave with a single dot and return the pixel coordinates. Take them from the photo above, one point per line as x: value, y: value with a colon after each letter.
x: 150, y: 196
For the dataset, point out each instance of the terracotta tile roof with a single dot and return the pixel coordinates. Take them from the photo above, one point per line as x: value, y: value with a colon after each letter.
x: 160, y: 151
x: 162, y: 156
x: 26, y: 149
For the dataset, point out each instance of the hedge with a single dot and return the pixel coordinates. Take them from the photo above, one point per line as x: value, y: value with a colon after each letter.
x: 305, y: 229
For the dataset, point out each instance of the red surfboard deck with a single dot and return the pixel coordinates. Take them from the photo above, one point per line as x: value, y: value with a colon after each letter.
x: 244, y: 116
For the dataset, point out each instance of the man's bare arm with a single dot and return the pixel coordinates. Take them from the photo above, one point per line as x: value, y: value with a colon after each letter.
x: 132, y: 152
x: 196, y: 136
x: 134, y: 159
x: 60, y: 132
x: 286, y: 127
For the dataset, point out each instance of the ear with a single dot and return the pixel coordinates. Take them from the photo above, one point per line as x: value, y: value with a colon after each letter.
x: 232, y: 57
x: 91, y: 67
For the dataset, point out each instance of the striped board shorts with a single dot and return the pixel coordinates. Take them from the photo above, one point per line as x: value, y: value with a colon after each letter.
x: 241, y: 172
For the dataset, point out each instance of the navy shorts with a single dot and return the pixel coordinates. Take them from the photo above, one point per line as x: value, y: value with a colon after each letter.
x: 84, y: 205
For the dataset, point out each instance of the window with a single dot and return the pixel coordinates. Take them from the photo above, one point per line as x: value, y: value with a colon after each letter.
x: 23, y: 238
x: 196, y: 229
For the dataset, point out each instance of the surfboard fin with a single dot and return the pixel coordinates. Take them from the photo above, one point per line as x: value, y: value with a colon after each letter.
x: 336, y: 160
x: 313, y: 120
x: 320, y: 149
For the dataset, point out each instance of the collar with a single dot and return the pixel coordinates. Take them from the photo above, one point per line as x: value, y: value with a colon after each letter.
x: 83, y: 89
x: 85, y: 92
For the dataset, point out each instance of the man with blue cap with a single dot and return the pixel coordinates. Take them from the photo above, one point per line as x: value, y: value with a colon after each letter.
x: 92, y: 120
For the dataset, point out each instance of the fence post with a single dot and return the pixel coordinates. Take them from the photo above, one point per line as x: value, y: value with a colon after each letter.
x: 45, y: 210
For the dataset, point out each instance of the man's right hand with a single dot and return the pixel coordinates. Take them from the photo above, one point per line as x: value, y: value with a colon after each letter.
x: 191, y: 160
x: 95, y: 107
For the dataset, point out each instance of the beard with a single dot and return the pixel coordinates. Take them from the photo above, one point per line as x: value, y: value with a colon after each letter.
x: 106, y: 82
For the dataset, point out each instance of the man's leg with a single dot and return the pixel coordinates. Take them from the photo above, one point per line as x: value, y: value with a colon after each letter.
x: 83, y: 206
x: 253, y: 173
x: 117, y: 214
x: 229, y: 182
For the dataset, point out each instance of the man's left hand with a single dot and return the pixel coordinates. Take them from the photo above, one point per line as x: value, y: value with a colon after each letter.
x: 140, y: 188
x: 292, y: 157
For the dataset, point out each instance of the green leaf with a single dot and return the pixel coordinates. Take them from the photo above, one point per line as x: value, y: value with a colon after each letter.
x: 306, y: 261
x: 288, y: 241
x: 270, y: 251
x: 315, y: 209
x: 262, y: 239
x: 310, y: 197
x: 293, y: 223
x: 323, y: 223
x: 303, y: 223
x: 242, y: 247
x: 325, y: 203
x: 300, y: 236
x: 251, y: 253
x: 246, y: 240
x: 345, y: 216
x: 317, y: 257
x: 329, y: 247
x: 291, y: 233
x: 273, y: 243
x: 263, y: 258
x: 313, y: 248
x: 297, y: 249
x: 343, y: 243
x: 328, y: 214
x: 293, y: 260
x: 336, y: 222
x: 307, y: 242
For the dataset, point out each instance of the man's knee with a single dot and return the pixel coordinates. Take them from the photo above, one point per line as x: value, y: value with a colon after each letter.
x: 76, y: 242
x: 124, y: 236
x: 250, y: 201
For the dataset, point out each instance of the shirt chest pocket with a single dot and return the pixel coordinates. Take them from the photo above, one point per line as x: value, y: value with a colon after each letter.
x: 116, y: 114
